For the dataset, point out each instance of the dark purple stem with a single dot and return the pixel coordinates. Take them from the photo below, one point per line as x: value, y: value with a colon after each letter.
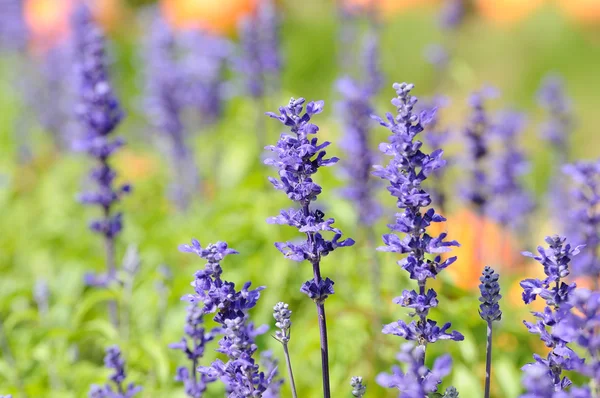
x: 488, y: 360
x: 109, y: 246
x: 323, y: 332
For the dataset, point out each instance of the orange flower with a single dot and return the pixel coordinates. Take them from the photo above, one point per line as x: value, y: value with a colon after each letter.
x: 217, y: 16
x: 134, y: 167
x: 483, y: 242
x: 507, y: 11
x: 585, y: 11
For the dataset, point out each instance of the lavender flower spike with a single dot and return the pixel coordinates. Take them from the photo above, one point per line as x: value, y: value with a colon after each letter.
x: 114, y: 361
x: 358, y: 388
x: 584, y: 219
x: 241, y: 374
x: 560, y: 124
x: 556, y: 293
x: 13, y: 28
x: 408, y: 168
x: 298, y: 158
x: 417, y: 381
x: 489, y: 311
x: 195, y: 384
x: 100, y: 114
x: 282, y: 316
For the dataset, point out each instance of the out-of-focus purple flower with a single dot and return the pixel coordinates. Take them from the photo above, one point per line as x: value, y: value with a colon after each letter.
x: 41, y: 295
x: 13, y: 29
x: 416, y: 381
x: 166, y: 88
x: 408, y: 168
x: 358, y: 388
x: 477, y: 131
x: 270, y: 366
x: 193, y: 345
x: 203, y: 62
x: 509, y: 203
x: 240, y: 374
x: 99, y: 113
x: 260, y: 62
x: 559, y: 123
x: 583, y: 217
x: 452, y: 14
x: 437, y: 55
x: 355, y: 109
x: 113, y: 360
x: 556, y: 293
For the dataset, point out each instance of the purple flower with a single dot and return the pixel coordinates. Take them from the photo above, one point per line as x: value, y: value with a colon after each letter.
x: 240, y: 374
x: 13, y: 29
x: 260, y: 62
x: 99, y: 113
x: 583, y: 217
x: 298, y: 157
x: 556, y: 294
x: 560, y: 124
x: 437, y: 55
x: 113, y: 360
x: 509, y: 203
x: 452, y: 14
x: 476, y: 192
x: 408, y: 168
x: 165, y: 101
x: 417, y: 381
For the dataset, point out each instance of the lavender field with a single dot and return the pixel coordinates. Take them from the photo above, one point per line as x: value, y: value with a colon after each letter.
x: 437, y: 162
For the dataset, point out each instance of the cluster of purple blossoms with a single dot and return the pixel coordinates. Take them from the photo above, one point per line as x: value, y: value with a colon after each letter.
x: 13, y: 29
x: 509, y: 203
x: 260, y: 61
x: 408, y: 168
x: 193, y: 345
x: 584, y: 219
x: 556, y: 294
x: 298, y: 157
x: 99, y: 113
x: 453, y: 14
x: 489, y: 309
x: 476, y: 191
x: 417, y: 381
x: 241, y: 374
x: 113, y: 360
x: 557, y: 128
x: 581, y: 327
x: 355, y: 109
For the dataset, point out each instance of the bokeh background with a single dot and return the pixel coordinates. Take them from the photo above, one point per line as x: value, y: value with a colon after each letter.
x: 44, y: 239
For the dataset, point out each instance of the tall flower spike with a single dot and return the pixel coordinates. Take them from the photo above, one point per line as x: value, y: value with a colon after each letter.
x: 13, y: 28
x: 282, y: 316
x: 240, y: 374
x: 584, y: 219
x: 559, y: 123
x: 297, y: 158
x: 99, y: 113
x: 452, y: 14
x: 476, y: 191
x: 166, y: 86
x: 113, y: 360
x: 193, y: 345
x: 556, y: 293
x: 509, y: 202
x: 408, y: 168
x: 358, y: 388
x: 489, y: 311
x: 417, y: 381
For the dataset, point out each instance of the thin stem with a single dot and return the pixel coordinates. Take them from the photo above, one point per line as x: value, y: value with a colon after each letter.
x: 288, y: 361
x: 323, y: 333
x: 488, y: 360
x: 109, y: 244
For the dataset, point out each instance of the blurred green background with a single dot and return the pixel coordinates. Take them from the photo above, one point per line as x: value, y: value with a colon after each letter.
x: 45, y: 235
